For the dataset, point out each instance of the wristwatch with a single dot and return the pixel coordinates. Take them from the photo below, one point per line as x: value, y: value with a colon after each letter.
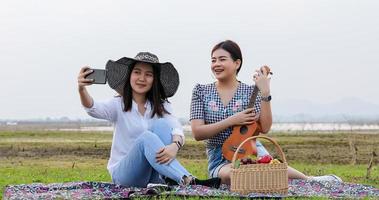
x: 266, y: 99
x: 178, y: 144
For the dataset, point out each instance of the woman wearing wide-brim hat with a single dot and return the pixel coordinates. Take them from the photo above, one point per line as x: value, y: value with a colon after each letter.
x: 147, y: 136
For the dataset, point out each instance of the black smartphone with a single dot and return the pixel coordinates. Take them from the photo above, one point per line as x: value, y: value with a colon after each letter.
x: 99, y: 76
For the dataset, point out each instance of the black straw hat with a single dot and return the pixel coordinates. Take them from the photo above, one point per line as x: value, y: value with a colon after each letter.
x: 117, y: 72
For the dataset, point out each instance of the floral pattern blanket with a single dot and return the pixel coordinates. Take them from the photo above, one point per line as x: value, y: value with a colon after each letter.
x: 101, y: 190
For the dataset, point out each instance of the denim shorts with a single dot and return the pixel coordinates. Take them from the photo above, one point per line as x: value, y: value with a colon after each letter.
x: 216, y: 161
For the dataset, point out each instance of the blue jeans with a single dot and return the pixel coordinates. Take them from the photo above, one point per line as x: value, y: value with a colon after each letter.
x: 216, y: 161
x: 139, y: 167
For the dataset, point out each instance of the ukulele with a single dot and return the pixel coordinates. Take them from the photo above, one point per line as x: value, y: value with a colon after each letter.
x: 242, y: 132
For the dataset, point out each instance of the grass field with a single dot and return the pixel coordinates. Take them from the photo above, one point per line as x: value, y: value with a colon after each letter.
x: 47, y: 157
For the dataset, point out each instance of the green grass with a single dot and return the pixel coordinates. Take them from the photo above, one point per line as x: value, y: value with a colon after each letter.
x: 348, y: 173
x: 48, y: 174
x: 55, y: 156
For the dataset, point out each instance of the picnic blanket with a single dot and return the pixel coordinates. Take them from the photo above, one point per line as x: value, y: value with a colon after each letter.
x: 102, y: 190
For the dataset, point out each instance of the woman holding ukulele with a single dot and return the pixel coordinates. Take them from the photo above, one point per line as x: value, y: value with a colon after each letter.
x: 218, y: 106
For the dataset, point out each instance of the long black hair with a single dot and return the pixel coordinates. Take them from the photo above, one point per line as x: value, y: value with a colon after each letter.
x: 156, y: 95
x: 233, y: 49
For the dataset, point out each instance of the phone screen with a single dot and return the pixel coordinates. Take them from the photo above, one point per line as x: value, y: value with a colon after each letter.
x: 99, y: 76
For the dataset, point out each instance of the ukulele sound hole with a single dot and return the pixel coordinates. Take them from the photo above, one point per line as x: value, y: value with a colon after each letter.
x: 243, y: 130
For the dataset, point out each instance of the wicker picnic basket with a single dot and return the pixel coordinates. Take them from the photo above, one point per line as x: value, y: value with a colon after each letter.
x: 260, y: 178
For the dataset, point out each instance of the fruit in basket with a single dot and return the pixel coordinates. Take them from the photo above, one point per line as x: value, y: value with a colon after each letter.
x: 237, y: 164
x: 275, y: 161
x: 253, y: 162
x: 253, y: 157
x: 247, y: 161
x: 265, y: 159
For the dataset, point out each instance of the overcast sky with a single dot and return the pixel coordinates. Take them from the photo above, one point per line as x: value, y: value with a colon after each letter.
x: 321, y: 51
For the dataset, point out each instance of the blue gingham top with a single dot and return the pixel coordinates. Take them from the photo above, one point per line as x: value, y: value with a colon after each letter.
x: 206, y: 104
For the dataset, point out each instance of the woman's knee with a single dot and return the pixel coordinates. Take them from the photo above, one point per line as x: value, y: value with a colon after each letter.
x: 162, y: 128
x: 147, y: 136
x: 224, y: 174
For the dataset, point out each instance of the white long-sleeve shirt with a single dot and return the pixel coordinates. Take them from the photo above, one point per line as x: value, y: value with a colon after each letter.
x: 128, y: 125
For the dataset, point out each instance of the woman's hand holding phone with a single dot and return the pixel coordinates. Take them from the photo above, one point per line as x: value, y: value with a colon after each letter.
x: 82, y: 80
x: 85, y: 98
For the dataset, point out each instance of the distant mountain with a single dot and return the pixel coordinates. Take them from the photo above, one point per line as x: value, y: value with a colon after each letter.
x: 348, y: 109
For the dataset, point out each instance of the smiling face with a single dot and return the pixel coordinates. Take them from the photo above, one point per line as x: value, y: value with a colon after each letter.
x: 223, y: 66
x: 141, y: 78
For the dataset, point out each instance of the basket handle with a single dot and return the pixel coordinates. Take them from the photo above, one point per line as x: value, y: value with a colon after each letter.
x: 263, y: 137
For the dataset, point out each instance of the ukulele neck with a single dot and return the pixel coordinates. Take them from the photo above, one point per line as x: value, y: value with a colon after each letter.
x: 253, y: 97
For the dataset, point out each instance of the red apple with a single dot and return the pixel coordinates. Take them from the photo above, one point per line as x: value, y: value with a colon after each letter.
x: 265, y: 159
